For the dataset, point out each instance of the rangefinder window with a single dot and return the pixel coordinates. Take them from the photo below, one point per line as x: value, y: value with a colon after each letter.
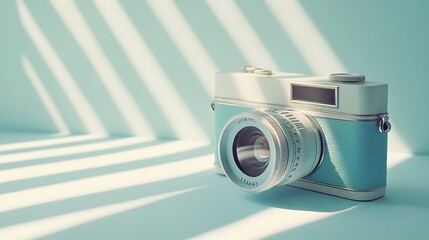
x: 314, y: 94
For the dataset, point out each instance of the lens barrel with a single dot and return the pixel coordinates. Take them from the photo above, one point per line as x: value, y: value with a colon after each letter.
x: 261, y: 149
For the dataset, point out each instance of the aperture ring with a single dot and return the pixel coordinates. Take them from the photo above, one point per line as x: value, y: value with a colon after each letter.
x: 295, y: 133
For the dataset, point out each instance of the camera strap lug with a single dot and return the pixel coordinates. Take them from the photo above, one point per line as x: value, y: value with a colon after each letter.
x: 384, y: 125
x: 212, y: 106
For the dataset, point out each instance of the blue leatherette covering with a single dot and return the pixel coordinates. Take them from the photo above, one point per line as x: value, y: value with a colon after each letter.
x: 355, y: 154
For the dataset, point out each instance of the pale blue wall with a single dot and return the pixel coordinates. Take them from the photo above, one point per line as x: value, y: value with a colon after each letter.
x: 386, y: 40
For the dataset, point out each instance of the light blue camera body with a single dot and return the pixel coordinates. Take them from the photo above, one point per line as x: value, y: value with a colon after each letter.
x: 354, y: 154
x: 354, y: 157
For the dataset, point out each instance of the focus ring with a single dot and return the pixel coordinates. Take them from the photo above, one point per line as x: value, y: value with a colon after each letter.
x: 296, y: 131
x: 300, y: 137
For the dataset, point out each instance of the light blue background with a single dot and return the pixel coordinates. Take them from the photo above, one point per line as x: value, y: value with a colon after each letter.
x: 385, y: 40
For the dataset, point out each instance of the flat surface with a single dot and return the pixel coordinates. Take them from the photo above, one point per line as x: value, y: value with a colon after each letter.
x: 89, y: 187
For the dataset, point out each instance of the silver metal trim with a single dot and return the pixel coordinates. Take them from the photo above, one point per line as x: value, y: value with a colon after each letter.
x: 321, y: 135
x: 297, y: 148
x: 347, y: 77
x: 271, y: 176
x: 384, y: 125
x: 312, y: 112
x: 314, y: 85
x: 250, y: 69
x: 212, y: 106
x: 348, y: 193
x: 322, y: 147
x: 263, y: 72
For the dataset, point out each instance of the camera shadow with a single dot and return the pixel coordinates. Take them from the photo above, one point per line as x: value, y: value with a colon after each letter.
x: 402, y: 214
x: 287, y: 197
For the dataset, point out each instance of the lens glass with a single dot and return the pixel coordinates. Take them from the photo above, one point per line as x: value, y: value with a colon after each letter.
x: 251, y: 151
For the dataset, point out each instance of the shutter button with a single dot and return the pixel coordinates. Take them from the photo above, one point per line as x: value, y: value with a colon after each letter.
x: 347, y: 77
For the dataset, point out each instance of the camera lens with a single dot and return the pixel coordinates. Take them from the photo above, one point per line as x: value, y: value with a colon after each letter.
x: 251, y: 151
x: 260, y: 149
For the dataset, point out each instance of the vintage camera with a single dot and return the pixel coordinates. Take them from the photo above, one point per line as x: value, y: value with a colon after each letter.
x: 326, y: 134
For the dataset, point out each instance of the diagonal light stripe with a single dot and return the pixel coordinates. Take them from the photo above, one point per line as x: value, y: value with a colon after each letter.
x: 396, y: 143
x: 44, y: 96
x: 315, y: 49
x: 101, y: 160
x: 47, y: 142
x: 396, y: 158
x: 266, y: 223
x: 62, y: 75
x: 242, y: 33
x: 305, y: 36
x: 80, y: 30
x: 63, y: 151
x: 44, y: 227
x: 144, y: 62
x: 108, y: 182
x: 186, y: 41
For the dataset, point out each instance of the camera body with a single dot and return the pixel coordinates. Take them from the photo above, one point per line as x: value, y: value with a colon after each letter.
x: 326, y: 134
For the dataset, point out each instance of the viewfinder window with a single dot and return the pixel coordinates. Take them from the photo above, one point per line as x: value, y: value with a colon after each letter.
x: 325, y: 95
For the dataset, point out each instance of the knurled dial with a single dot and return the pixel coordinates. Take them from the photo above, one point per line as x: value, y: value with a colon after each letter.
x: 303, y: 141
x: 347, y: 77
